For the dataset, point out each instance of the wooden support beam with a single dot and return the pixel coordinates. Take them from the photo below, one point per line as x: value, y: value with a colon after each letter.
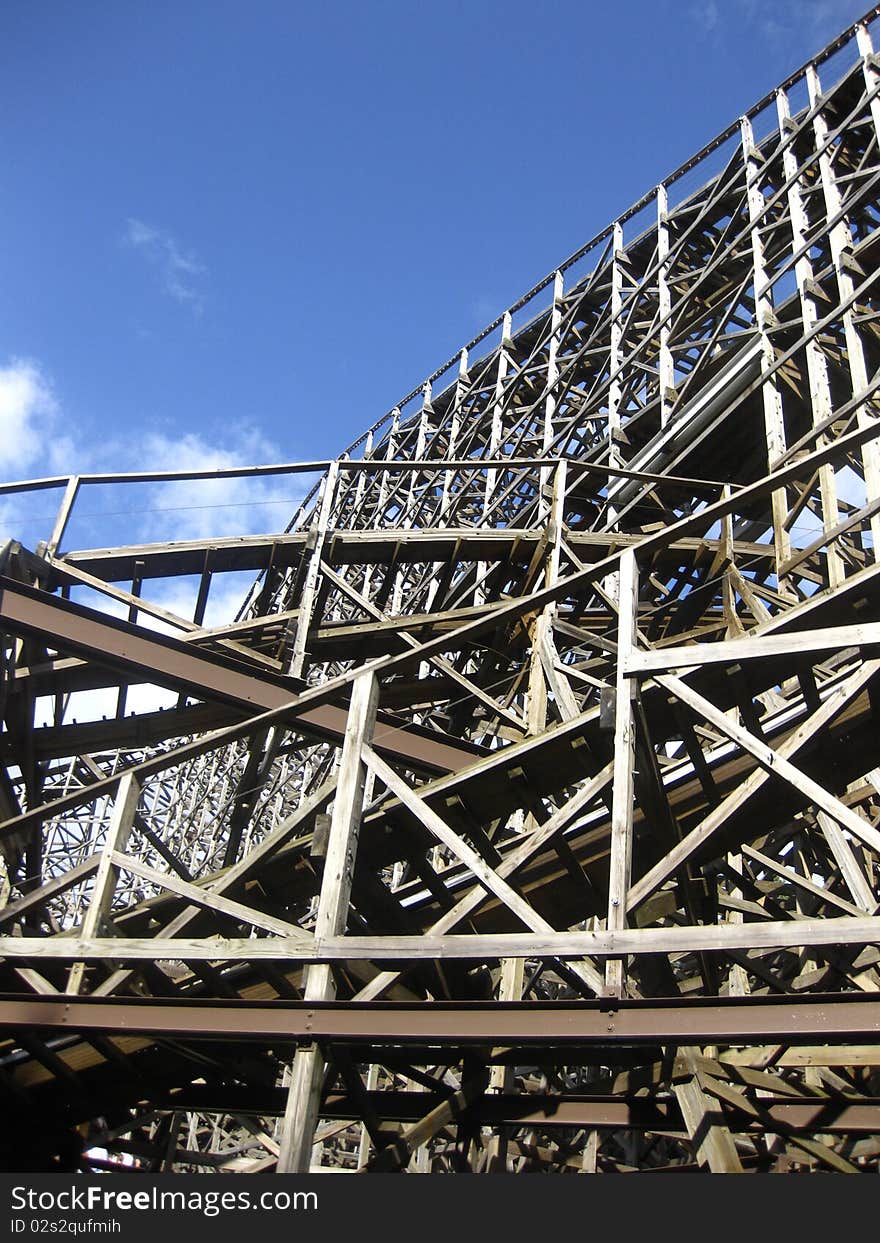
x: 118, y: 832
x: 713, y: 1145
x: 486, y: 875
x: 301, y: 1114
x: 534, y: 842
x: 776, y: 763
x: 624, y: 758
x: 774, y: 425
x: 717, y: 817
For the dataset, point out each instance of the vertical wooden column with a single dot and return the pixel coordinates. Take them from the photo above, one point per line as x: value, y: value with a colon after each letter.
x: 301, y: 1114
x: 841, y: 244
x: 542, y: 626
x: 64, y: 511
x: 552, y: 377
x: 610, y: 581
x: 737, y: 979
x: 495, y: 434
x: 624, y: 756
x: 590, y: 1158
x: 317, y: 535
x: 362, y: 475
x: 817, y: 370
x: 364, y: 1144
x: 510, y: 988
x: 615, y: 389
x: 107, y: 875
x: 765, y: 319
x: 665, y: 365
x: 382, y: 497
x: 495, y: 438
x: 421, y: 441
x: 870, y: 71
x: 734, y: 626
x: 461, y: 385
x: 381, y: 489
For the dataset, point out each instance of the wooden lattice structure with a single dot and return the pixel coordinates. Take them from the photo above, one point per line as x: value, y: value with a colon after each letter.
x: 527, y: 815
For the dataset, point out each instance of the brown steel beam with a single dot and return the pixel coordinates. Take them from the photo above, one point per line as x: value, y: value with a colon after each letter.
x: 545, y: 1111
x: 166, y: 661
x: 609, y: 1021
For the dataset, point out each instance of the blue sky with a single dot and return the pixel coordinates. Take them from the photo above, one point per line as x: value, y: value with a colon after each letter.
x: 238, y: 233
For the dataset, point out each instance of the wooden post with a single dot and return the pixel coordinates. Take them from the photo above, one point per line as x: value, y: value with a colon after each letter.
x: 615, y: 389
x: 510, y: 988
x: 301, y: 1114
x: 542, y: 626
x: 461, y: 387
x: 624, y: 755
x: 310, y: 586
x: 712, y: 1141
x: 841, y: 245
x: 495, y: 438
x: 665, y: 365
x: 421, y: 440
x: 774, y: 426
x: 550, y: 399
x: 364, y: 1142
x: 737, y: 978
x: 108, y: 871
x: 817, y: 370
x: 495, y: 435
x: 64, y: 511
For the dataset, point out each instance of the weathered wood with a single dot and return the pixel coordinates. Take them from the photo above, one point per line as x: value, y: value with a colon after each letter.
x: 753, y: 647
x: 624, y: 757
x: 118, y: 831
x: 710, y: 824
x: 210, y: 900
x: 775, y: 762
x: 486, y: 875
x: 713, y: 1146
x: 301, y: 1115
x: 759, y: 934
x: 692, y: 391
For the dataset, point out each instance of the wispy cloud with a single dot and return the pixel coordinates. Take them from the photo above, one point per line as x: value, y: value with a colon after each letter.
x: 179, y: 271
x: 32, y: 442
x: 705, y: 14
x: 29, y: 421
x: 175, y: 596
x: 31, y: 415
x: 816, y: 21
x: 205, y: 508
x: 484, y: 309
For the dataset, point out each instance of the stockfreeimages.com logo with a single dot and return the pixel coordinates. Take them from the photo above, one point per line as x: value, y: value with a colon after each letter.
x: 208, y: 1203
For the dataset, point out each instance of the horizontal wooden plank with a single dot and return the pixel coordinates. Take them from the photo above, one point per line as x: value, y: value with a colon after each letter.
x: 770, y: 934
x: 753, y: 647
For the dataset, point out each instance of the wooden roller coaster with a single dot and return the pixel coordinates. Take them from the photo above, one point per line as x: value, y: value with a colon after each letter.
x: 527, y: 815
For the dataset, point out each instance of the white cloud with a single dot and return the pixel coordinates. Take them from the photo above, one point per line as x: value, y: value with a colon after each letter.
x: 818, y: 20
x: 203, y: 509
x: 179, y: 270
x: 30, y: 441
x: 30, y: 416
x: 705, y: 14
x: 227, y: 593
x: 28, y: 421
x: 484, y: 309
